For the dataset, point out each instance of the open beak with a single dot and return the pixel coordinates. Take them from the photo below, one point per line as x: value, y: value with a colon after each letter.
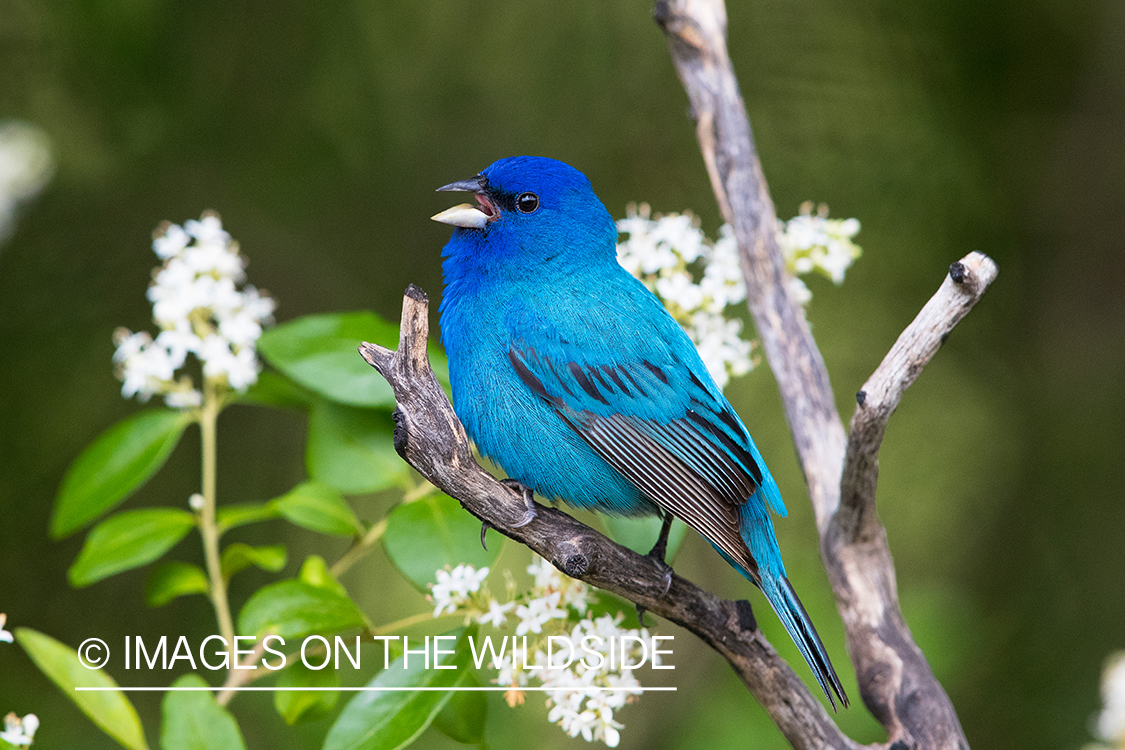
x: 465, y: 215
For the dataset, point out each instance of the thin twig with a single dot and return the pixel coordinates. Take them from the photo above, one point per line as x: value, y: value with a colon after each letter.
x: 881, y: 394
x: 359, y: 550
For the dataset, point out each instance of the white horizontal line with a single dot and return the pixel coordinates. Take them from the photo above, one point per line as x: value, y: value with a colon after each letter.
x: 366, y: 689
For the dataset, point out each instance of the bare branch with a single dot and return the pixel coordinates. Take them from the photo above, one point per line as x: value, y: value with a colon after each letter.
x: 696, y: 31
x: 880, y: 395
x: 895, y: 680
x: 430, y: 438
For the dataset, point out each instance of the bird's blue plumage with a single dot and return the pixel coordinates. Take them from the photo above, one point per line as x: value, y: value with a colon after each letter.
x: 571, y: 376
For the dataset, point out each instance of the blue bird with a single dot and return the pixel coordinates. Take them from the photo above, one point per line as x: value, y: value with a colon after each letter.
x: 571, y: 376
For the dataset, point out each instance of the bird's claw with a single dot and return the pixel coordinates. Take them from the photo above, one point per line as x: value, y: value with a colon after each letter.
x: 656, y: 554
x: 667, y: 580
x: 528, y: 499
x: 484, y: 527
x: 664, y: 591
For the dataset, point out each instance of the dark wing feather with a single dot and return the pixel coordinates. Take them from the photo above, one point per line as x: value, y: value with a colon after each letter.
x: 687, y: 465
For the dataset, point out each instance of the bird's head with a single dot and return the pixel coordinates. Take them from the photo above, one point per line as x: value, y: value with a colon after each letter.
x: 532, y: 198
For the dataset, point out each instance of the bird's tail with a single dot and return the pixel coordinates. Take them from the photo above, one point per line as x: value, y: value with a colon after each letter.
x: 792, y: 613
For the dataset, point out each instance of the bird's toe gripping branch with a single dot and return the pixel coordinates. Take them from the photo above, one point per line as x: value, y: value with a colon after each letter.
x: 528, y: 499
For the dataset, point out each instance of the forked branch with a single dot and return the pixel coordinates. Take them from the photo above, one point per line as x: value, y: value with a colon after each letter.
x: 841, y: 469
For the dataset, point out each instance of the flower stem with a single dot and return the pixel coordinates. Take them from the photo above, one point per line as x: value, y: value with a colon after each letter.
x: 360, y: 549
x: 208, y: 529
x: 406, y: 622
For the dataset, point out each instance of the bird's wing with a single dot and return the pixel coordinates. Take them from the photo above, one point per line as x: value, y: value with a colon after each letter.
x: 661, y: 427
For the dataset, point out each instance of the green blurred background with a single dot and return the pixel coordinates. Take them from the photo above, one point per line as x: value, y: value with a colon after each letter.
x: 319, y: 131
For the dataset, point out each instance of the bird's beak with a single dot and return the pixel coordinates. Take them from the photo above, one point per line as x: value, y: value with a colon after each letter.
x: 464, y: 215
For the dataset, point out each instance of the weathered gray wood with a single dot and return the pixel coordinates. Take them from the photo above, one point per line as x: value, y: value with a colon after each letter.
x: 841, y: 469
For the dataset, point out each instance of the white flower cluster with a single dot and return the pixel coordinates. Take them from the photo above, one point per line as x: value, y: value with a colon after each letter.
x: 1110, y: 725
x: 26, y: 167
x: 556, y: 605
x: 200, y: 310
x: 664, y: 253
x: 454, y: 589
x: 816, y: 243
x: 577, y: 708
x: 19, y: 732
x: 698, y: 279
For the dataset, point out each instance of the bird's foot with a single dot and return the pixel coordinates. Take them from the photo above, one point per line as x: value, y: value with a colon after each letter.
x: 657, y: 554
x: 660, y: 550
x: 667, y: 574
x: 528, y: 499
x: 484, y: 527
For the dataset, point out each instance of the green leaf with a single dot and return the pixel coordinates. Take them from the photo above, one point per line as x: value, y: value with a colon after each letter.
x: 315, y: 572
x: 231, y: 516
x: 320, y: 353
x: 274, y: 389
x: 110, y: 710
x: 305, y: 705
x: 318, y: 507
x: 114, y: 466
x: 193, y: 720
x: 639, y: 534
x: 128, y: 540
x: 174, y: 579
x: 434, y: 531
x: 295, y: 608
x: 605, y: 603
x: 463, y: 717
x: 383, y: 720
x: 353, y: 450
x: 239, y: 556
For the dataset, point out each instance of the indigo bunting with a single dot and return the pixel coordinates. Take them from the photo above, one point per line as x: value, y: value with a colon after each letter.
x: 571, y: 376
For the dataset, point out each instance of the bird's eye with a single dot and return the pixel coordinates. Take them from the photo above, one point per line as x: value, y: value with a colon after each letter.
x: 527, y: 203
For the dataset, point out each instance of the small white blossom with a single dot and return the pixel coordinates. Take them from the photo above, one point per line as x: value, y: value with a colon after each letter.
x: 196, y: 502
x: 799, y: 291
x: 817, y: 243
x: 453, y: 589
x: 721, y: 346
x: 5, y: 636
x: 509, y: 674
x: 19, y: 732
x: 200, y: 311
x: 538, y: 612
x: 170, y: 240
x: 179, y: 343
x: 1110, y: 725
x: 679, y: 288
x: 26, y: 166
x: 208, y: 230
x: 496, y: 614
